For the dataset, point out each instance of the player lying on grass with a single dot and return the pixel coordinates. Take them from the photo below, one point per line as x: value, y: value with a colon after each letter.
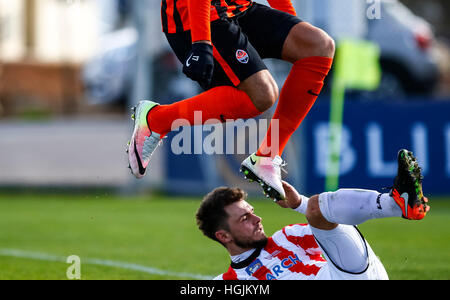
x: 221, y: 45
x: 295, y: 252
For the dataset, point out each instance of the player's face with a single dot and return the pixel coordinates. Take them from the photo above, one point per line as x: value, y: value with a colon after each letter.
x: 245, y: 227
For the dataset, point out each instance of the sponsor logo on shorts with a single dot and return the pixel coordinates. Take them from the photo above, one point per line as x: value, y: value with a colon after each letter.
x: 242, y: 56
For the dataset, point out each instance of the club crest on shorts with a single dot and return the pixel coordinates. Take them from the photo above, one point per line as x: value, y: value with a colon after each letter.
x: 242, y: 56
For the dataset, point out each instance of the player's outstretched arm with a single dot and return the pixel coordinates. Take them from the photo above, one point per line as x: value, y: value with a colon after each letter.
x: 283, y: 5
x: 293, y: 198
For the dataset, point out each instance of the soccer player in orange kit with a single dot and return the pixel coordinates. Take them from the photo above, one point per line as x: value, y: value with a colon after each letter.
x: 222, y: 44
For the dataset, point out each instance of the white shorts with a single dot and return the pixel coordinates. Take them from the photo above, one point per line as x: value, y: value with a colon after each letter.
x: 372, y: 268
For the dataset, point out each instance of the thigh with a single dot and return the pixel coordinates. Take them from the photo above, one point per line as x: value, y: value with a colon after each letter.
x: 235, y: 59
x: 346, y: 246
x: 267, y: 29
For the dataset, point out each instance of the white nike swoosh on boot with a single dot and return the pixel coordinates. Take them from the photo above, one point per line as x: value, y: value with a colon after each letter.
x: 405, y: 197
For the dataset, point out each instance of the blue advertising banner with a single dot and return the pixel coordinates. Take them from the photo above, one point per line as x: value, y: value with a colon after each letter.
x: 373, y: 133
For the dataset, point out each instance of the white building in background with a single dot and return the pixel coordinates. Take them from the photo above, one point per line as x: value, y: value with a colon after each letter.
x: 70, y: 30
x: 12, y: 30
x: 63, y: 31
x: 340, y: 18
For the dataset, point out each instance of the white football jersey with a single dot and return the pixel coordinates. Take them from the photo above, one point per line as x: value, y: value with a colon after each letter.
x: 293, y: 254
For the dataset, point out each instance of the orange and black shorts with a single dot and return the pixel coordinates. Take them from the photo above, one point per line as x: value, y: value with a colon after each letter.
x: 241, y: 43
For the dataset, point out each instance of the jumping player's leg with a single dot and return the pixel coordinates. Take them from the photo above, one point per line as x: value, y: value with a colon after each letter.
x: 219, y: 103
x: 262, y: 90
x: 276, y: 34
x: 252, y: 97
x: 311, y: 51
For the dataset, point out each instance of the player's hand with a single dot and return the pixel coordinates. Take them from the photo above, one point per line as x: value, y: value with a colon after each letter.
x: 293, y: 199
x: 199, y: 65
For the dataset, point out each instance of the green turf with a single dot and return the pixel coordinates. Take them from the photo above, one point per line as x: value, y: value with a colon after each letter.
x: 160, y: 232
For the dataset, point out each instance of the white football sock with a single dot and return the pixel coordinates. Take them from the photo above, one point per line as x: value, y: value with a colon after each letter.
x: 355, y: 206
x: 303, y: 205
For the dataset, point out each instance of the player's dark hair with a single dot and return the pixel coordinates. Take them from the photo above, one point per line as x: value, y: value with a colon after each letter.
x: 211, y: 216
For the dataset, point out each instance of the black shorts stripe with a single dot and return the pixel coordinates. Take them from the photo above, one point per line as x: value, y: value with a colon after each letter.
x: 177, y: 17
x: 164, y: 15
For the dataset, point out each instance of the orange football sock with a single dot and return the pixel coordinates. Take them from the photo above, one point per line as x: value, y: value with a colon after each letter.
x: 216, y: 105
x: 298, y: 95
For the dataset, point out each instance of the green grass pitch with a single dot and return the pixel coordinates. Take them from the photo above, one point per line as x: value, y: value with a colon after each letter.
x: 155, y: 237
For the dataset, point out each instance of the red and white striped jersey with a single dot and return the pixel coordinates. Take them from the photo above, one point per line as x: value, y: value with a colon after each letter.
x: 290, y: 254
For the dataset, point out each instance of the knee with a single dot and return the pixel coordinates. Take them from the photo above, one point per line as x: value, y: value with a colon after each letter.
x: 324, y: 45
x: 306, y: 40
x: 263, y: 91
x: 267, y: 97
x: 315, y: 217
x: 329, y: 46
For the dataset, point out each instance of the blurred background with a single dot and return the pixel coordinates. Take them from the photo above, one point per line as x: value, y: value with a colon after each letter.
x: 70, y: 70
